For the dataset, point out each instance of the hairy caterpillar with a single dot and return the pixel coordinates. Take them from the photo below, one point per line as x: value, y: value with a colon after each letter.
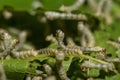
x: 65, y: 16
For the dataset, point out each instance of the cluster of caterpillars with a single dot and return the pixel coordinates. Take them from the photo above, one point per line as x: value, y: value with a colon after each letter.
x: 9, y: 46
x: 16, y: 48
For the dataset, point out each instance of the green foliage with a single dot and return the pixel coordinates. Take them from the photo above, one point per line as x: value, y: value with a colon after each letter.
x: 16, y: 69
x: 17, y: 4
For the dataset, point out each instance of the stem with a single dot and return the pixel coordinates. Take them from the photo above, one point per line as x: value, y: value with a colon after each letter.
x: 94, y: 59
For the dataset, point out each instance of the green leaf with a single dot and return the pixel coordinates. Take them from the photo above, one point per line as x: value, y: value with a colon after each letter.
x: 17, y: 4
x: 66, y: 63
x: 93, y: 72
x: 116, y: 77
x: 16, y: 69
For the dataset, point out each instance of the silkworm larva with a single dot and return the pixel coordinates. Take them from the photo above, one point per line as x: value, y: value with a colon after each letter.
x: 99, y: 7
x: 92, y: 4
x: 59, y: 55
x: 87, y: 34
x: 37, y: 78
x: 4, y: 35
x: 7, y: 14
x: 36, y: 4
x: 2, y: 73
x: 70, y: 42
x: 88, y: 49
x: 93, y: 49
x: 61, y: 72
x: 22, y: 39
x: 5, y: 38
x: 113, y: 60
x: 73, y: 52
x: 51, y: 78
x: 13, y: 44
x: 60, y: 37
x: 51, y: 38
x: 24, y: 54
x: 47, y: 51
x: 10, y: 47
x: 48, y: 69
x: 108, y: 66
x: 115, y: 44
x: 73, y: 7
x: 28, y: 77
x: 65, y: 16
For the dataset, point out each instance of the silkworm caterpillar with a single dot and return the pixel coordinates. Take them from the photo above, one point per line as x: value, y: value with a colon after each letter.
x: 5, y: 38
x: 67, y: 52
x: 60, y: 37
x: 24, y: 54
x: 115, y: 44
x: 4, y: 35
x: 33, y: 77
x: 22, y: 39
x: 73, y: 7
x: 51, y: 78
x: 72, y: 52
x: 88, y: 49
x: 52, y: 52
x: 92, y: 4
x: 61, y: 72
x: 37, y: 78
x: 93, y: 49
x: 47, y: 51
x: 70, y: 42
x: 106, y: 67
x: 103, y: 10
x: 9, y: 48
x: 51, y: 15
x: 51, y: 38
x: 2, y: 73
x: 87, y: 36
x: 48, y: 69
x: 113, y: 60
